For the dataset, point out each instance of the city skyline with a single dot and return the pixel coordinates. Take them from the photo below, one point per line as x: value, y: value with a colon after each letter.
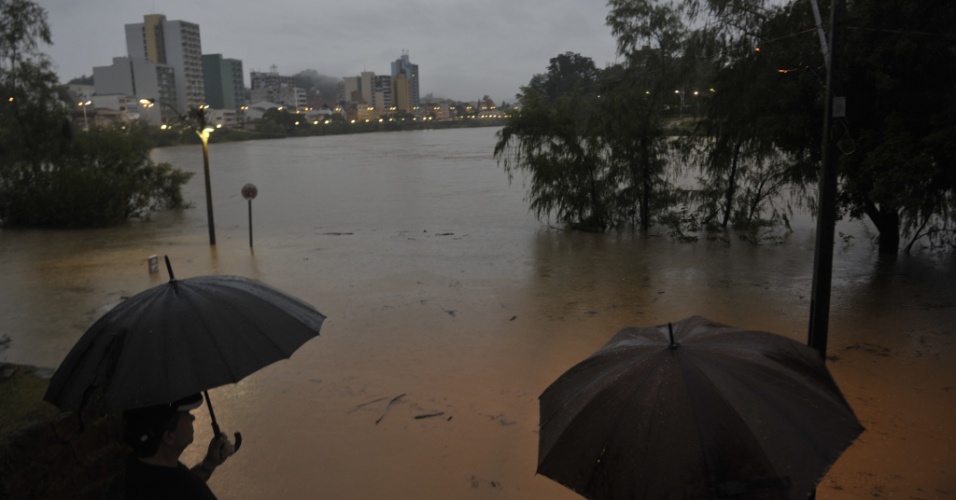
x: 464, y: 50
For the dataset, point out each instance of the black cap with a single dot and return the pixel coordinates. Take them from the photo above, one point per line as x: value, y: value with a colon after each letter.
x: 144, y: 426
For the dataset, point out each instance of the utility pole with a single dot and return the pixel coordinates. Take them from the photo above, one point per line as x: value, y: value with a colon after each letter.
x: 834, y: 115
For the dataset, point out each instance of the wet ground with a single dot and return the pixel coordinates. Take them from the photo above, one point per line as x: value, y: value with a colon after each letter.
x: 450, y: 309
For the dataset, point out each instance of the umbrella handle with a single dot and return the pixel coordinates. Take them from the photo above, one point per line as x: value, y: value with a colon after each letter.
x: 215, y: 425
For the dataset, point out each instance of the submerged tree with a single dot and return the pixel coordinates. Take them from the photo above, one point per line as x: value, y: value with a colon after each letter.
x: 595, y: 141
x: 899, y: 153
x: 651, y: 36
x: 553, y: 139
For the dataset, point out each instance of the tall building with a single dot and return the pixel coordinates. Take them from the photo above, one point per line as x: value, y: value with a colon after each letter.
x: 176, y: 44
x: 367, y: 86
x: 368, y: 89
x: 348, y: 90
x: 382, y: 92
x: 223, y: 82
x: 403, y: 96
x: 139, y: 79
x: 402, y: 68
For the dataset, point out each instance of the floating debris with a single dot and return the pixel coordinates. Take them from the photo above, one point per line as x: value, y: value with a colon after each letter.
x: 430, y: 415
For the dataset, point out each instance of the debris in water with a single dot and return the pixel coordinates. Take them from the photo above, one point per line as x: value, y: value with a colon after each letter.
x: 389, y: 405
x: 430, y: 415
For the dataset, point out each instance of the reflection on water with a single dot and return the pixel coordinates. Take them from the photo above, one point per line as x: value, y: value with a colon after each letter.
x: 445, y: 295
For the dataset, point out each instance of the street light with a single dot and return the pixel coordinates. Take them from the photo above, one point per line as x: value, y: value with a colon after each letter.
x: 203, y: 132
x: 82, y: 104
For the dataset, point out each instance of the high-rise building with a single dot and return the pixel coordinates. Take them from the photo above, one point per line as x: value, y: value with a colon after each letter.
x: 368, y: 89
x: 224, y: 82
x: 367, y: 86
x: 174, y: 43
x: 382, y: 92
x: 403, y: 96
x: 348, y: 90
x: 403, y: 68
x: 139, y: 79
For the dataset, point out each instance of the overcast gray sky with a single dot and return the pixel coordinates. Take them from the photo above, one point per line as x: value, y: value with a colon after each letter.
x: 464, y: 49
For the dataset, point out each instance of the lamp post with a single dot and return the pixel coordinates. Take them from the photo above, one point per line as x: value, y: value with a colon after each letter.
x: 149, y: 108
x: 84, y: 104
x: 203, y: 131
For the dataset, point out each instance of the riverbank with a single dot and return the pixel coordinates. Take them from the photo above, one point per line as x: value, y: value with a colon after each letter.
x: 301, y: 128
x: 270, y: 130
x: 45, y: 453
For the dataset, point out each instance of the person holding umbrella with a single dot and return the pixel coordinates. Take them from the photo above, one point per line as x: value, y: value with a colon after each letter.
x: 173, y: 340
x: 158, y: 435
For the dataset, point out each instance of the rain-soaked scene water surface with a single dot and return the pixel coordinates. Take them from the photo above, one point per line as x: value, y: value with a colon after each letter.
x: 450, y: 309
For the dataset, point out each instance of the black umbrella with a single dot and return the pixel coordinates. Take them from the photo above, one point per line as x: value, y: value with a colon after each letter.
x: 702, y: 411
x: 180, y: 338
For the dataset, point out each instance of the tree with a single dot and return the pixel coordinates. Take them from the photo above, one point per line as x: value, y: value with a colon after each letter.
x: 651, y: 36
x: 103, y: 179
x: 31, y: 109
x: 738, y: 145
x: 552, y: 137
x: 595, y: 141
x: 899, y: 162
x: 569, y: 75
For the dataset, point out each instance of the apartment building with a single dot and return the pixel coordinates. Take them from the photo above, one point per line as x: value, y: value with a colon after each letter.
x: 223, y: 78
x: 368, y: 90
x: 176, y: 44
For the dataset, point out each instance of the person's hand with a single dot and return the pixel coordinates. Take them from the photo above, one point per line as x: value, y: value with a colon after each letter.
x: 220, y: 448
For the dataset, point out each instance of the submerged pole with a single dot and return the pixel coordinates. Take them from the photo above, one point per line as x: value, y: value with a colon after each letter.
x: 249, y: 192
x: 834, y: 111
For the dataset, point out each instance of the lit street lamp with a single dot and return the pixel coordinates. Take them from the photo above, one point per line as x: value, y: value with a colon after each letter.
x: 83, y: 104
x: 203, y: 132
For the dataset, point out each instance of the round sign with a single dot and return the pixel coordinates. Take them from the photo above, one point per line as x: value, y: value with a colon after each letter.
x: 249, y: 191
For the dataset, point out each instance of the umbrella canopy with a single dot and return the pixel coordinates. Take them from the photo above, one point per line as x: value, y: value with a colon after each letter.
x: 703, y: 411
x: 180, y: 338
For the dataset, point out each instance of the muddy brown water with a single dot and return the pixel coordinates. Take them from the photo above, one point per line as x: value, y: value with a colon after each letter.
x: 450, y: 309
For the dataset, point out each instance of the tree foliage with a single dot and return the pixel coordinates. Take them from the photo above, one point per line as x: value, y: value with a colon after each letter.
x: 594, y: 141
x: 552, y: 139
x: 899, y: 149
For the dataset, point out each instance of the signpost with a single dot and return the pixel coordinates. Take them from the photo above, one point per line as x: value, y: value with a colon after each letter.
x: 249, y: 192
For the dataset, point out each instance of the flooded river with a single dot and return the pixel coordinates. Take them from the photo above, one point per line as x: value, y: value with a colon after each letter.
x: 445, y: 296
